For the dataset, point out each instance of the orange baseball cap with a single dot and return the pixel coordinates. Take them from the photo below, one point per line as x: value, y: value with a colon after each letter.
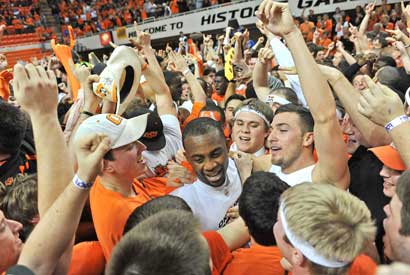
x: 389, y: 156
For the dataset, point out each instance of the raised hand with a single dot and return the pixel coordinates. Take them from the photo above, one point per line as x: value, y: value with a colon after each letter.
x: 178, y: 61
x: 265, y: 54
x: 89, y: 151
x: 178, y: 175
x: 277, y: 17
x: 405, y: 10
x: 35, y: 89
x: 261, y: 26
x: 380, y: 104
x: 397, y: 34
x: 370, y: 7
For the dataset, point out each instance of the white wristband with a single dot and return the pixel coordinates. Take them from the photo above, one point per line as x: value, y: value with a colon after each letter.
x: 395, y: 122
x: 81, y: 184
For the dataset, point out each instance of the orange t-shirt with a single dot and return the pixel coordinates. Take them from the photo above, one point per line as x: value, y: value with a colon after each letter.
x: 110, y: 210
x: 196, y: 109
x: 256, y: 260
x: 88, y: 258
x: 217, y: 98
x: 363, y: 265
x: 218, y: 250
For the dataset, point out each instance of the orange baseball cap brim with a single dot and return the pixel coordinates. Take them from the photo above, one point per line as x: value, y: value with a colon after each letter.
x: 389, y: 156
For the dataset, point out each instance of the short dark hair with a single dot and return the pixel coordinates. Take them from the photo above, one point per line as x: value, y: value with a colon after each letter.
x: 168, y: 242
x: 109, y: 156
x: 403, y: 192
x: 209, y: 70
x: 306, y: 119
x: 259, y: 204
x: 202, y: 126
x: 153, y: 207
x: 234, y: 97
x: 13, y: 125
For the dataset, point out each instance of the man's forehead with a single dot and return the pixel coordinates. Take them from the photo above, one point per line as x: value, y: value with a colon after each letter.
x: 249, y: 117
x: 206, y: 142
x: 285, y: 118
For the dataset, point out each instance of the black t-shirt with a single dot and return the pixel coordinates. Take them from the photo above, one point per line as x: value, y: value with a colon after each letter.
x: 367, y: 185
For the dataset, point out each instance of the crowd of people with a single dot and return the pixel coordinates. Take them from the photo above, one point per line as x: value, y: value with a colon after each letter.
x: 224, y: 156
x: 87, y: 17
x: 20, y: 16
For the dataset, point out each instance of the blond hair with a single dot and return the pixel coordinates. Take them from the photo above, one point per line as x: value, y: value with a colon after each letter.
x: 335, y: 223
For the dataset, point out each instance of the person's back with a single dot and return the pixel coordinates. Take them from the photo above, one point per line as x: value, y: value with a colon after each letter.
x: 257, y: 205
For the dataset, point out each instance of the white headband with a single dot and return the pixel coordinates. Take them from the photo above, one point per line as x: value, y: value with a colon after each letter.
x: 276, y: 99
x: 307, y: 250
x: 249, y: 110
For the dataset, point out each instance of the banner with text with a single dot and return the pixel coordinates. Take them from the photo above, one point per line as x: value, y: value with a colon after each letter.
x: 206, y: 20
x: 324, y: 6
x: 216, y: 18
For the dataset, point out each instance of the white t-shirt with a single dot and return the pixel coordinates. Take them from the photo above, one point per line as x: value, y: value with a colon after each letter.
x: 157, y: 160
x: 297, y: 177
x: 210, y: 204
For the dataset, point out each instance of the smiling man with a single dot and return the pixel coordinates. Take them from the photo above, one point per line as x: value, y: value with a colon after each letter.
x: 397, y: 224
x: 251, y: 127
x: 295, y: 130
x: 117, y: 192
x: 218, y: 186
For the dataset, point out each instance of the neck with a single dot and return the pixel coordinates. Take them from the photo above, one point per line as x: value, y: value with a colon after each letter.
x: 117, y: 185
x: 304, y: 160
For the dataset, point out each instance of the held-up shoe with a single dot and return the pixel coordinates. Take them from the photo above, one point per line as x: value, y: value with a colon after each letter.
x: 120, y: 79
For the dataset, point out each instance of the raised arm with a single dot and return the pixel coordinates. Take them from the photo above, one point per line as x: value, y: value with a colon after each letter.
x: 373, y: 134
x: 260, y: 72
x: 36, y: 91
x: 154, y: 75
x: 365, y: 22
x: 329, y: 144
x: 347, y: 56
x: 181, y: 66
x: 40, y: 254
x: 384, y: 107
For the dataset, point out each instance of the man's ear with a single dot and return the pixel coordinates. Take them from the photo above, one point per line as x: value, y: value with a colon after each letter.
x: 307, y: 139
x: 107, y: 166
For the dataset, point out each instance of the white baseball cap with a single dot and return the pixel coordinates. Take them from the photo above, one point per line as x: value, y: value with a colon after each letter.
x: 121, y: 131
x: 119, y: 81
